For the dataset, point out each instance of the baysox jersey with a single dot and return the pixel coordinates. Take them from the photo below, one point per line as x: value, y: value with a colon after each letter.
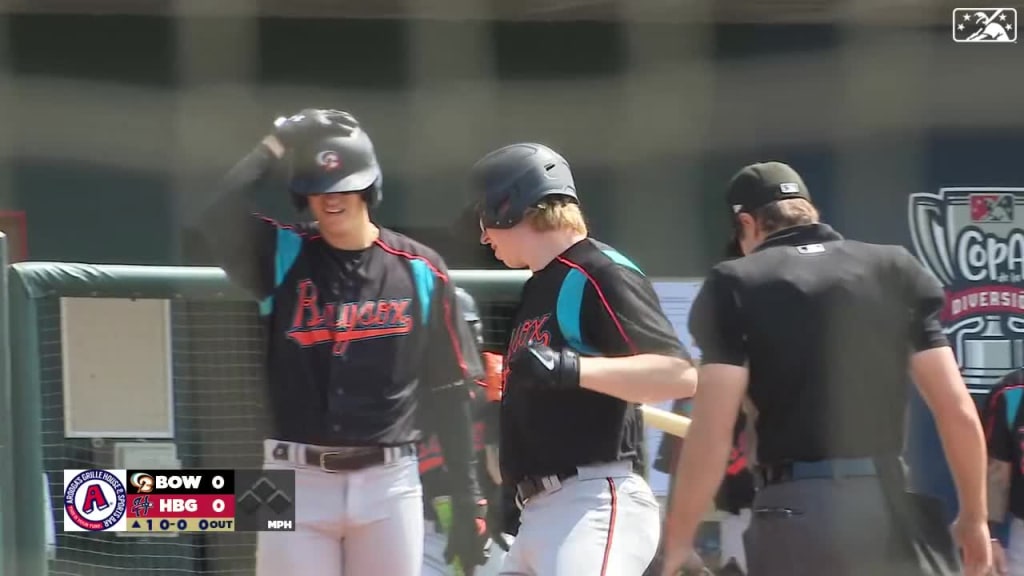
x: 594, y: 300
x: 1004, y: 431
x: 354, y: 337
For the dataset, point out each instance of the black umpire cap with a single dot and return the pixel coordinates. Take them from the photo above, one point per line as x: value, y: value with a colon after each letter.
x: 758, y: 185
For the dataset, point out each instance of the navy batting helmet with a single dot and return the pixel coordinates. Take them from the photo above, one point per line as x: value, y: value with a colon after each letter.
x: 512, y: 179
x: 342, y: 161
x: 470, y: 314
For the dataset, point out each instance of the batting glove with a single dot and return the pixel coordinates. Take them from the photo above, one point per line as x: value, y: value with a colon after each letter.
x: 312, y: 124
x: 539, y: 366
x: 468, y: 538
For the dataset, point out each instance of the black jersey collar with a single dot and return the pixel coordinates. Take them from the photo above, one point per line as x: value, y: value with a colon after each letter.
x: 797, y: 235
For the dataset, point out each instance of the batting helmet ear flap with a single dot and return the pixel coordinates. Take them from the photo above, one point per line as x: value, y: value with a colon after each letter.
x: 373, y: 195
x: 301, y: 203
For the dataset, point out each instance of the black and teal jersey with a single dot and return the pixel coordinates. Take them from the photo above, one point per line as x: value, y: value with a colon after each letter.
x: 1004, y: 432
x: 355, y: 338
x: 592, y: 299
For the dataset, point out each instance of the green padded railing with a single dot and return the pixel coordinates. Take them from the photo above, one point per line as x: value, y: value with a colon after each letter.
x: 216, y: 349
x: 7, y: 524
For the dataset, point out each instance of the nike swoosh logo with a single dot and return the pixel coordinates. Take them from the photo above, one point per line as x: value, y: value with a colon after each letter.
x: 548, y: 362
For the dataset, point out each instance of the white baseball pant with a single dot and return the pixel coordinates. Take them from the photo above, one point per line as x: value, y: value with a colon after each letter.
x: 603, y: 522
x: 362, y: 523
x: 732, y: 527
x: 1015, y: 548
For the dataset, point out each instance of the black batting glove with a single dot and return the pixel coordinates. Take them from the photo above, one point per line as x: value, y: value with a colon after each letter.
x: 496, y: 518
x: 310, y: 125
x: 539, y: 366
x: 468, y: 539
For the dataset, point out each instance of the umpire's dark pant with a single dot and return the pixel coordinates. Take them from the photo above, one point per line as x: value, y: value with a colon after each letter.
x: 831, y: 524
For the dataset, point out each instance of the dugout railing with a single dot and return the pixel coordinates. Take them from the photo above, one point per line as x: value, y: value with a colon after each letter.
x: 214, y: 348
x: 6, y: 452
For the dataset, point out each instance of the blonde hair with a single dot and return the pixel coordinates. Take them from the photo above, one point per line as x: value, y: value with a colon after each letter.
x: 786, y: 214
x: 556, y: 214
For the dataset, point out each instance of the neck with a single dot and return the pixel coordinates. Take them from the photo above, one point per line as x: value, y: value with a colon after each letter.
x: 550, y: 245
x: 360, y: 238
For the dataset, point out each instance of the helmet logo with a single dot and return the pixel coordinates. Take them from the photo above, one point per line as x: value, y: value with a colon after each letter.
x: 329, y: 159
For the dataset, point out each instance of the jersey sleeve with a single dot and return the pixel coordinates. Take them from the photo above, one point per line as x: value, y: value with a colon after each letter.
x: 452, y: 355
x: 997, y: 429
x: 715, y: 322
x: 255, y: 252
x: 925, y: 299
x: 621, y: 316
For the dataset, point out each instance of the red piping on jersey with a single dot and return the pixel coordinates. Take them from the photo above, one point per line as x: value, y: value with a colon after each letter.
x: 277, y: 224
x: 738, y: 464
x: 604, y: 301
x: 611, y: 527
x: 447, y: 307
x: 990, y: 422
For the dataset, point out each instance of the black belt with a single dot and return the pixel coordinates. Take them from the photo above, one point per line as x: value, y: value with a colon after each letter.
x: 768, y: 474
x: 342, y: 459
x: 534, y: 485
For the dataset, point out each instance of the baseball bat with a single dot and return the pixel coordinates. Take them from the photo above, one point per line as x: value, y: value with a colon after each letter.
x: 665, y: 421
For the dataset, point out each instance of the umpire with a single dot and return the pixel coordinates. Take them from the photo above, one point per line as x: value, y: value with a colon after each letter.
x: 820, y: 333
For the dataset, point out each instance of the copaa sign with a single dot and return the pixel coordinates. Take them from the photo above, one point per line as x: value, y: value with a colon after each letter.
x: 972, y: 240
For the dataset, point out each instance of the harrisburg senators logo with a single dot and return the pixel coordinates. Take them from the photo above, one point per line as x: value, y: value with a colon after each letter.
x: 94, y: 500
x: 972, y: 240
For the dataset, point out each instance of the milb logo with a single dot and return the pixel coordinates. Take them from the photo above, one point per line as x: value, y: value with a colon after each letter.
x: 984, y: 25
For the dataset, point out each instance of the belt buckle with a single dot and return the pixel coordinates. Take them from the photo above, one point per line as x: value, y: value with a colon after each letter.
x: 323, y: 461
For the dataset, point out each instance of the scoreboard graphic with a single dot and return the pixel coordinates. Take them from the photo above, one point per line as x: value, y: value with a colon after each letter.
x: 179, y: 500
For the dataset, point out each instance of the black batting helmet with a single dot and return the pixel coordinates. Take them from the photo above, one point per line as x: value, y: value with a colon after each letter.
x: 509, y: 180
x: 342, y: 161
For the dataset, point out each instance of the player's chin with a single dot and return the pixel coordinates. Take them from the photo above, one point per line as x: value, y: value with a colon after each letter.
x: 510, y: 261
x: 513, y: 263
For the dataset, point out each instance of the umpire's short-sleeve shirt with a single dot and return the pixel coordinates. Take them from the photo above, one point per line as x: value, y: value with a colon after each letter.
x: 826, y: 327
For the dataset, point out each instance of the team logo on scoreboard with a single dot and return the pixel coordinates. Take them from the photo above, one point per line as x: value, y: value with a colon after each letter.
x: 142, y: 482
x: 972, y: 240
x: 94, y: 500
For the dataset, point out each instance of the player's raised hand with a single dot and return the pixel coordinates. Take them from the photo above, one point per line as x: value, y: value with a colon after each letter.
x: 537, y: 365
x: 312, y: 124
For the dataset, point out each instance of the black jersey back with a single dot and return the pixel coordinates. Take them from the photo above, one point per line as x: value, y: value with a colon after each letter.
x: 353, y: 336
x: 593, y: 299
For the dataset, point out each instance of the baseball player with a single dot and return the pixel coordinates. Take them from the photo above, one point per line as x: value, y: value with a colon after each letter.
x: 432, y: 466
x: 363, y: 343
x: 589, y: 342
x: 1004, y: 431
